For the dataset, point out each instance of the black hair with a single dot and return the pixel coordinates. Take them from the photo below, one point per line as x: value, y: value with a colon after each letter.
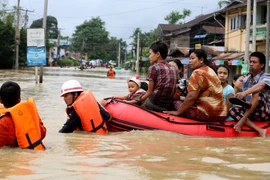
x: 201, y: 54
x: 224, y: 66
x: 235, y: 77
x: 10, y: 92
x: 260, y: 56
x: 179, y: 65
x: 144, y: 86
x: 160, y: 47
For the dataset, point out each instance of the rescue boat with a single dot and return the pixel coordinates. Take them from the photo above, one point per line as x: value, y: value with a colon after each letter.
x: 127, y: 117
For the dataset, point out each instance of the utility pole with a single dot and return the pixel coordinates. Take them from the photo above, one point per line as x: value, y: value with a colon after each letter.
x: 138, y: 54
x: 44, y: 27
x: 26, y: 18
x: 202, y: 7
x: 119, y: 54
x: 247, y: 33
x: 254, y: 31
x: 267, y: 36
x: 17, y: 37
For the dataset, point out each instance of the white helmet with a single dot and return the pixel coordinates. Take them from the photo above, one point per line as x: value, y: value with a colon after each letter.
x: 71, y: 86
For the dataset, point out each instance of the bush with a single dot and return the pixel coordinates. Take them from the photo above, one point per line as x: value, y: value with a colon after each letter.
x: 68, y: 62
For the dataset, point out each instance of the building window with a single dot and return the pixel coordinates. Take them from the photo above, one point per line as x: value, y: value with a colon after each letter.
x: 233, y: 21
x: 237, y: 22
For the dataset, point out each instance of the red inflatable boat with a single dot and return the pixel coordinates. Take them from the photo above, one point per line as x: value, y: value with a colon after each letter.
x: 127, y: 117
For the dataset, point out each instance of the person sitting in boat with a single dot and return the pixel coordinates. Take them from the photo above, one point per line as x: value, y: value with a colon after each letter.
x: 20, y: 125
x: 238, y: 82
x: 83, y: 111
x: 111, y: 72
x: 182, y: 83
x: 162, y: 79
x: 204, y: 101
x: 135, y: 91
x: 223, y: 73
x: 256, y: 91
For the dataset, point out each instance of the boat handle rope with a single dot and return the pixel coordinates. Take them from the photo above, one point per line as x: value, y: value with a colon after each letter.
x: 177, y: 122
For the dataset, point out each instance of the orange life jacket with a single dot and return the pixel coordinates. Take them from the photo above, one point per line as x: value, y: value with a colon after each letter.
x: 88, y: 110
x: 110, y: 73
x: 26, y: 120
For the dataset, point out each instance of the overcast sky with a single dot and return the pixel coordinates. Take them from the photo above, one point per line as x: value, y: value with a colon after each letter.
x: 120, y: 16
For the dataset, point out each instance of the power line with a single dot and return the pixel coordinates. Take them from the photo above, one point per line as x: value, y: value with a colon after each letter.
x: 136, y: 10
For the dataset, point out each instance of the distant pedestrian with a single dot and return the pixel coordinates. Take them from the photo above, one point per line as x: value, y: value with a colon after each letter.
x: 110, y: 72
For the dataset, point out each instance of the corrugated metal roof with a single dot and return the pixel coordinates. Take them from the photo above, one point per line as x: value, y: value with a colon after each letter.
x: 214, y: 29
x: 229, y: 56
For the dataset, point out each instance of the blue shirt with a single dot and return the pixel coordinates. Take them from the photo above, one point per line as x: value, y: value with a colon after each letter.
x: 250, y: 81
x: 226, y: 91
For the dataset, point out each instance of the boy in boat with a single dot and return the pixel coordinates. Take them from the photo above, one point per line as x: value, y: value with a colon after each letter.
x: 24, y: 129
x: 134, y: 87
x: 162, y: 79
x: 83, y: 111
x: 256, y: 91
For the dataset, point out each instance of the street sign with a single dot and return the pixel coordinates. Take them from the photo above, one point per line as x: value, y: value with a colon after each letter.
x: 36, y: 49
x: 198, y: 46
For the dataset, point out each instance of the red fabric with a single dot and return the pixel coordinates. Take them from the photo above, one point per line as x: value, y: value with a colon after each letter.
x: 7, y: 131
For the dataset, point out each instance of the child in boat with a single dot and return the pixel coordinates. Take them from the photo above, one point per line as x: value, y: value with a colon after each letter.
x: 228, y: 91
x: 134, y: 87
x: 162, y: 79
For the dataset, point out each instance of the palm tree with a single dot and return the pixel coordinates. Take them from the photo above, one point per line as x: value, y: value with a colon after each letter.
x: 224, y: 2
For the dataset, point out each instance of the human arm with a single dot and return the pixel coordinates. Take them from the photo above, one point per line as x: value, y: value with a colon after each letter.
x: 228, y: 103
x: 254, y: 89
x: 106, y: 116
x: 190, y: 100
x: 7, y: 131
x: 149, y: 91
x: 72, y: 123
x: 42, y: 129
x: 121, y: 97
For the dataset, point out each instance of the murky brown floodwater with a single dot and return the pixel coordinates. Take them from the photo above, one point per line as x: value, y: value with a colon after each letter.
x: 126, y: 155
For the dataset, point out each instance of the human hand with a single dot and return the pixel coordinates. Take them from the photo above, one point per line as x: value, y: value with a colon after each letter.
x: 103, y: 102
x: 171, y: 112
x: 240, y: 95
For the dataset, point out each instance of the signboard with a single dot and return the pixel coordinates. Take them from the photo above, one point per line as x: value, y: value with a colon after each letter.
x: 36, y: 49
x: 218, y: 62
x: 36, y: 56
x: 198, y: 46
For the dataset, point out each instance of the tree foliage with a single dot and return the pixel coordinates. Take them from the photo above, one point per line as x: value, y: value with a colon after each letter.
x: 7, y: 39
x: 91, y: 38
x: 175, y: 16
x: 51, y: 26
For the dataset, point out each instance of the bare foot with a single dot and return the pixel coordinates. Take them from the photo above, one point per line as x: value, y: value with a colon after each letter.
x: 262, y: 133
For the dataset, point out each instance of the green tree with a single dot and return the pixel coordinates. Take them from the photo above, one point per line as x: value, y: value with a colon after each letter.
x: 173, y: 17
x: 221, y: 3
x: 91, y: 37
x: 176, y: 16
x: 186, y: 13
x: 7, y: 45
x: 7, y: 34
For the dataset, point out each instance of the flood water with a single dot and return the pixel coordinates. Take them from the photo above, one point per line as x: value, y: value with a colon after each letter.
x: 125, y: 155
